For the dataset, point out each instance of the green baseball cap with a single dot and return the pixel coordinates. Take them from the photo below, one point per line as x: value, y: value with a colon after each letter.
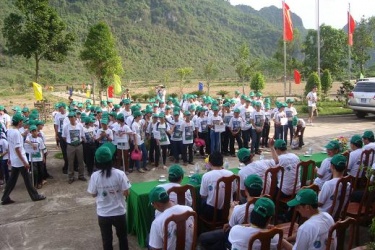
x: 187, y: 113
x: 176, y: 113
x: 236, y: 110
x: 105, y: 152
x: 356, y: 139
x: 155, y: 115
x: 175, y: 171
x: 72, y: 114
x: 88, y: 120
x: 290, y: 100
x: 332, y: 145
x: 237, y: 92
x: 243, y: 153
x: 158, y: 194
x: 339, y: 161
x: 264, y: 207
x: 168, y: 107
x: 258, y: 104
x: 2, y: 107
x: 25, y: 109
x: 251, y: 94
x: 120, y: 117
x: 258, y: 94
x: 137, y: 113
x: 304, y: 196
x: 279, y: 143
x: 161, y: 115
x: 32, y: 127
x: 254, y: 181
x: 104, y: 121
x: 39, y: 122
x: 295, y: 121
x: 267, y: 106
x: 215, y: 108
x: 368, y: 134
x: 195, y: 179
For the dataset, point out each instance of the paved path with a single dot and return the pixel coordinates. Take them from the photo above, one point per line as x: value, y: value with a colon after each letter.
x: 67, y: 218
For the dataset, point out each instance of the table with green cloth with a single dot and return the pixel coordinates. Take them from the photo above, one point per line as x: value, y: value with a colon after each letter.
x: 140, y: 213
x: 317, y: 157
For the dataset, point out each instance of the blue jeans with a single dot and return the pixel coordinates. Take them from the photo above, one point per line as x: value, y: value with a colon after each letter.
x: 255, y: 139
x: 142, y: 147
x: 176, y: 149
x: 246, y: 136
x: 215, y: 141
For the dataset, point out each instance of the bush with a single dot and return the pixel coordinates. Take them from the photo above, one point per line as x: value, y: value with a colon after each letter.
x: 312, y: 81
x: 343, y: 92
x: 326, y: 82
x: 198, y: 93
x: 136, y: 97
x: 222, y: 93
x: 173, y: 95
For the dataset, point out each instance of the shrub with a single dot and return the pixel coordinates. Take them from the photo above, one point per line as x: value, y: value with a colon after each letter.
x: 312, y: 81
x: 343, y: 92
x: 326, y: 82
x: 222, y: 93
x: 257, y: 82
x: 198, y: 93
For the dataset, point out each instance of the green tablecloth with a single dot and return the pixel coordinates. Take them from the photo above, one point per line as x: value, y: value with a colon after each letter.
x: 317, y: 157
x: 140, y: 213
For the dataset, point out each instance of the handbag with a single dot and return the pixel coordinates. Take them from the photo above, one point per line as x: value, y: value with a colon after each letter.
x: 136, y: 155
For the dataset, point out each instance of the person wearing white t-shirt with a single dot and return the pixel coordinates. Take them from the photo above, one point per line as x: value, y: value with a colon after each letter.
x: 246, y: 112
x: 208, y: 186
x: 187, y: 128
x: 19, y: 163
x: 313, y: 233
x: 122, y: 133
x: 213, y: 121
x: 73, y: 135
x: 176, y: 136
x: 217, y: 239
x: 202, y: 128
x: 234, y: 126
x: 368, y: 140
x: 257, y: 122
x: 326, y: 195
x: 312, y: 99
x: 89, y: 144
x: 281, y: 124
x: 109, y: 186
x: 4, y: 156
x: 227, y: 115
x: 260, y: 218
x: 160, y: 200
x: 139, y: 143
x: 163, y: 131
x: 355, y: 156
x: 4, y: 118
x: 290, y: 112
x: 324, y: 172
x: 58, y: 126
x: 252, y: 167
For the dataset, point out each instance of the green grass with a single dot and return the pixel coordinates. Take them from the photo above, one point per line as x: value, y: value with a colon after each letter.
x: 325, y: 108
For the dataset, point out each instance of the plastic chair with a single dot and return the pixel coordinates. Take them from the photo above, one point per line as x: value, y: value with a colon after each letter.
x: 265, y: 238
x: 180, y: 221
x: 228, y: 180
x: 342, y: 185
x: 340, y: 227
x: 180, y: 192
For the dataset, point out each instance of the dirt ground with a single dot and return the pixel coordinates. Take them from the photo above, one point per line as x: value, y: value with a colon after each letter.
x: 67, y: 218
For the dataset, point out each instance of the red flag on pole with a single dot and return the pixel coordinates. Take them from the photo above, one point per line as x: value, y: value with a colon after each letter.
x: 351, y: 28
x: 297, y: 77
x: 288, y: 25
x: 110, y: 91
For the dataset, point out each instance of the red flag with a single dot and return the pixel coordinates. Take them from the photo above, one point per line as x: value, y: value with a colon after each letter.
x: 297, y: 77
x: 288, y: 25
x: 351, y: 28
x: 110, y: 91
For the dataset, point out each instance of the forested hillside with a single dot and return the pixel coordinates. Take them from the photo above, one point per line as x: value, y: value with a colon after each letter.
x: 155, y: 37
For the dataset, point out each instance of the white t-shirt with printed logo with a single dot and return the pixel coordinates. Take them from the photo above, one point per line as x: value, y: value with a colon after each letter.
x: 4, y: 120
x: 256, y: 167
x: 89, y: 134
x: 326, y: 195
x: 258, y: 118
x: 227, y: 117
x: 236, y: 123
x: 35, y: 155
x: 246, y: 114
x: 139, y: 134
x: 313, y: 233
x: 238, y: 215
x: 4, y: 148
x: 15, y: 140
x: 110, y: 200
x: 208, y: 186
x: 325, y: 171
x: 290, y: 112
x: 187, y: 132
x: 157, y: 229
x: 214, y: 120
x: 162, y: 129
x: 177, y: 132
x: 107, y: 131
x: 59, y: 121
x: 354, y: 162
x: 202, y: 124
x: 239, y: 237
x: 122, y: 137
x: 73, y: 134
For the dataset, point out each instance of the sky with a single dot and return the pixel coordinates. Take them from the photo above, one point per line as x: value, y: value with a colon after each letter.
x: 332, y: 12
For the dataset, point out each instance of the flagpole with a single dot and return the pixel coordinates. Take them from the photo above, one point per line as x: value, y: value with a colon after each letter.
x: 284, y: 51
x: 349, y: 50
x: 318, y: 37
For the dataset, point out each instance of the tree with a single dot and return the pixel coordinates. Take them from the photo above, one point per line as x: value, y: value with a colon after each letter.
x: 244, y: 66
x: 333, y: 51
x: 312, y: 81
x: 37, y: 31
x: 182, y: 74
x: 326, y: 82
x: 210, y: 72
x: 363, y: 42
x: 100, y: 55
x: 257, y: 82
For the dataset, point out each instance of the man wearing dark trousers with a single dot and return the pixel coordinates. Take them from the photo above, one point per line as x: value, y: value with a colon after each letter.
x: 58, y: 125
x: 19, y: 163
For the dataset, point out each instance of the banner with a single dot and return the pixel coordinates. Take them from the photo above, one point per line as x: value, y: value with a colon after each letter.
x: 351, y: 28
x: 38, y: 92
x: 110, y: 92
x: 88, y: 93
x: 288, y: 25
x: 117, y: 84
x: 297, y: 77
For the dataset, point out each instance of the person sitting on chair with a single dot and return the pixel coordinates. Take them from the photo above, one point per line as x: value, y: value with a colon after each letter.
x: 208, y: 186
x: 313, y: 233
x: 159, y: 199
x: 260, y: 217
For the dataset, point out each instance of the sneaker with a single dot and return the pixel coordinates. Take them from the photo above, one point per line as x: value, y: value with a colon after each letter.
x: 146, y: 168
x: 164, y: 167
x: 7, y: 202
x: 39, y: 198
x: 141, y: 170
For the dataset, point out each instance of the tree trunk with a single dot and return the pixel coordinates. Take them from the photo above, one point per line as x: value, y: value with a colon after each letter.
x: 36, y: 68
x: 208, y: 88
